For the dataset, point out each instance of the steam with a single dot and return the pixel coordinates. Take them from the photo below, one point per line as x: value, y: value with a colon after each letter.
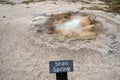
x: 73, y: 24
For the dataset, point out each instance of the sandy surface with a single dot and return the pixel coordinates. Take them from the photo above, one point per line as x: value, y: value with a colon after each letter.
x: 25, y: 55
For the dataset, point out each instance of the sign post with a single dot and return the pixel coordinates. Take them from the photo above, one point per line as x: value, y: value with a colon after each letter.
x: 61, y: 76
x: 61, y: 68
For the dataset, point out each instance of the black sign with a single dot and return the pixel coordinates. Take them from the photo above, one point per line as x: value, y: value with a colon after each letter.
x: 61, y: 66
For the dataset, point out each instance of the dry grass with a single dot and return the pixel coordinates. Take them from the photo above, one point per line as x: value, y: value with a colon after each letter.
x: 95, y: 8
x: 27, y: 2
x: 6, y: 2
x: 115, y: 1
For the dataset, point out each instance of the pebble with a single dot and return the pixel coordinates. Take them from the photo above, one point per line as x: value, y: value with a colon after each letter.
x: 3, y: 16
x: 28, y: 7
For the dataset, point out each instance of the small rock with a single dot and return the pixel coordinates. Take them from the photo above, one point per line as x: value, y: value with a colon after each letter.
x: 2, y: 61
x: 8, y: 23
x: 28, y: 7
x: 55, y: 3
x: 37, y: 25
x: 38, y: 30
x: 3, y: 16
x: 115, y: 14
x: 110, y: 51
x: 114, y: 42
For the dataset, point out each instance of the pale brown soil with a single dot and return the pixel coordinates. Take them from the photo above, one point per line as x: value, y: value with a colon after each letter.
x: 25, y: 55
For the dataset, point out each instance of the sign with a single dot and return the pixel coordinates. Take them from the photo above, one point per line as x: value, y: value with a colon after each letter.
x: 61, y: 66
